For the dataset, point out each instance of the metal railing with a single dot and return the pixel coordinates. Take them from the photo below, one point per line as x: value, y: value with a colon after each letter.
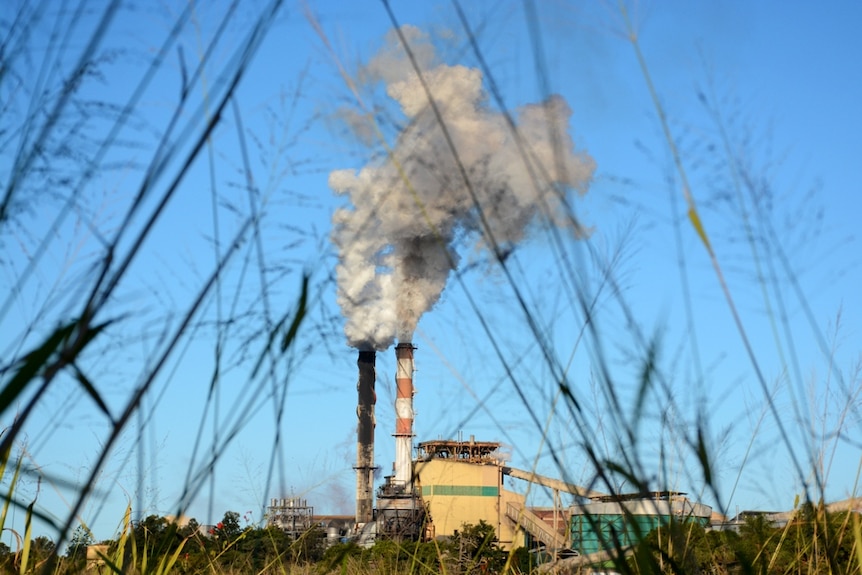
x: 535, y: 526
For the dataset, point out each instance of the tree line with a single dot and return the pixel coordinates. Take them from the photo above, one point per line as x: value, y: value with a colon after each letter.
x: 812, y: 542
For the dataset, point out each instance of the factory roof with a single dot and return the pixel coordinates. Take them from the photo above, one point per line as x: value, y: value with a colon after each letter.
x: 463, y: 450
x: 638, y: 495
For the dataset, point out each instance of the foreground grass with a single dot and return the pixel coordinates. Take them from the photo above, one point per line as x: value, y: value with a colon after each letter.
x: 65, y: 351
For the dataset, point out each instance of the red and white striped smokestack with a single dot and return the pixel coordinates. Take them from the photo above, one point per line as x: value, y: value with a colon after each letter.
x: 404, y: 414
x: 365, y: 437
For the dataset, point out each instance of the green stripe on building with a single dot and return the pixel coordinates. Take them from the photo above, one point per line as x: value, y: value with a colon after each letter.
x: 460, y: 490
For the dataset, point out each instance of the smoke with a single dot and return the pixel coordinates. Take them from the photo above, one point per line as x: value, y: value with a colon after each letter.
x: 408, y: 211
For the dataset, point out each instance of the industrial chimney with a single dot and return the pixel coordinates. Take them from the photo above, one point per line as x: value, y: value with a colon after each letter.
x: 365, y: 437
x: 404, y: 415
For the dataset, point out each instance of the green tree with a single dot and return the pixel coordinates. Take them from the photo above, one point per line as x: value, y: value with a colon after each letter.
x: 477, y: 548
x: 340, y: 556
x: 40, y: 549
x: 229, y: 526
x: 723, y: 545
x: 414, y: 557
x: 155, y: 537
x: 817, y: 541
x: 262, y: 547
x: 522, y: 560
x: 190, y: 529
x: 678, y: 547
x: 78, y: 543
x: 6, y: 558
x: 759, y: 542
x: 309, y: 547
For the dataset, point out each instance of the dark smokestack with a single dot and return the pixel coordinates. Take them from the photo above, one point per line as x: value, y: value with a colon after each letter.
x: 365, y: 437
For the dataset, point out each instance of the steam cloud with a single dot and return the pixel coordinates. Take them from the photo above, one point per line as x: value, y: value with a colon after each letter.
x: 396, y: 240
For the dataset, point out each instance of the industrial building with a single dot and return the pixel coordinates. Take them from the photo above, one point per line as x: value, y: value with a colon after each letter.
x: 622, y: 520
x: 292, y: 515
x: 462, y: 482
x: 446, y: 484
x: 450, y: 483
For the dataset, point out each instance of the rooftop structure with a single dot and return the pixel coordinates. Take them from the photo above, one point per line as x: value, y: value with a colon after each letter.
x: 471, y: 451
x: 292, y: 515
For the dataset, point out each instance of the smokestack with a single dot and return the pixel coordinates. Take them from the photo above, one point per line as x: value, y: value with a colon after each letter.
x: 365, y: 437
x: 404, y: 414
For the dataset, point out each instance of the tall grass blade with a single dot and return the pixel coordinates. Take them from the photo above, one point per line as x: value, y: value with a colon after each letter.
x: 168, y: 561
x: 13, y: 483
x: 24, y: 556
x: 30, y: 366
x: 90, y: 390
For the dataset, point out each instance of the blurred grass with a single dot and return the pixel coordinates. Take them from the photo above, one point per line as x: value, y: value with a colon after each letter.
x: 30, y: 371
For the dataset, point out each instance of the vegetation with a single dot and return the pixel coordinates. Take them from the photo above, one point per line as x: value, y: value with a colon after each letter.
x: 813, y: 541
x: 156, y: 545
x: 473, y: 550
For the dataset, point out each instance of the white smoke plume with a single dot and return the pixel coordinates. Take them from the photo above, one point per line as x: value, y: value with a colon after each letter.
x: 397, y: 239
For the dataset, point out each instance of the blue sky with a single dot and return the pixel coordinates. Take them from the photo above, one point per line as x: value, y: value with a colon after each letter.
x: 764, y: 91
